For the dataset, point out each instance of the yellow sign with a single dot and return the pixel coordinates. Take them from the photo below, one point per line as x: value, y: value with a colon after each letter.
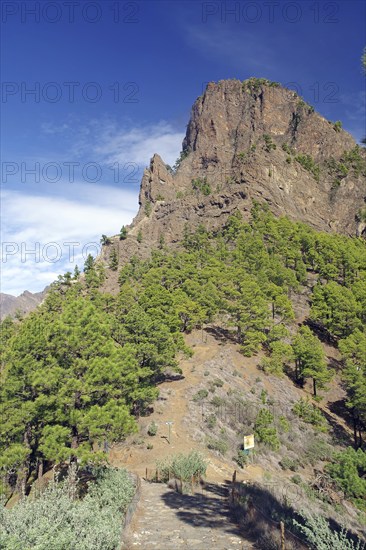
x: 248, y: 442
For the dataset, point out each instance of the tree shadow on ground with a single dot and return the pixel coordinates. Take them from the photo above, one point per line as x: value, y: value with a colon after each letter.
x: 260, y: 511
x: 222, y: 335
x: 340, y: 409
x: 208, y: 507
x: 338, y: 431
x: 254, y: 515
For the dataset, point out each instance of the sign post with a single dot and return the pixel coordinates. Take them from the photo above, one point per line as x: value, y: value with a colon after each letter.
x: 248, y: 443
x: 169, y: 423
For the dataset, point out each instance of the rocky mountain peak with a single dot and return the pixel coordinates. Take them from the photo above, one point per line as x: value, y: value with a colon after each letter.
x: 255, y: 140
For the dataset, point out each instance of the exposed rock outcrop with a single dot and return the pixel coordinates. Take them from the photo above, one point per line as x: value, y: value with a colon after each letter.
x: 252, y: 141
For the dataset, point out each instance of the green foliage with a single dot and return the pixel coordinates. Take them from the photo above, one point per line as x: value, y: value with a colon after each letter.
x: 241, y: 458
x: 55, y: 520
x: 361, y: 215
x: 113, y: 260
x: 318, y: 450
x: 152, y: 429
x: 336, y: 308
x: 319, y: 534
x: 310, y: 359
x: 76, y: 371
x: 308, y: 163
x: 265, y: 429
x: 148, y: 208
x: 202, y: 186
x: 211, y: 421
x: 281, y: 354
x: 337, y: 126
x: 348, y: 470
x: 288, y: 463
x: 139, y: 236
x: 105, y: 241
x: 123, y: 233
x: 310, y: 414
x: 353, y: 350
x: 268, y: 143
x: 219, y: 445
x: 355, y: 161
x: 217, y: 401
x: 183, y: 154
x: 288, y: 149
x: 255, y: 84
x: 182, y: 466
x: 200, y: 395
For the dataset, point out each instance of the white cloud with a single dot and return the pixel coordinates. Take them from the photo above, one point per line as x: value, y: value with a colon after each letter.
x: 115, y: 143
x: 76, y: 211
x: 31, y: 223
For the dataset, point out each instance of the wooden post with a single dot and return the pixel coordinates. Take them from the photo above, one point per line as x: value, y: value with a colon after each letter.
x: 282, y: 526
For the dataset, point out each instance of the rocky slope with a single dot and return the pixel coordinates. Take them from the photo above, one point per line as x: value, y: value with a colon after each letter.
x: 26, y: 302
x: 252, y: 141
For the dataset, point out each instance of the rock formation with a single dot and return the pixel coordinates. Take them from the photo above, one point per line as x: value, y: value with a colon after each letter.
x: 252, y: 140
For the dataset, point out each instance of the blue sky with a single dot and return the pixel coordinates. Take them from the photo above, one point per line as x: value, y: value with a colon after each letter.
x: 114, y: 83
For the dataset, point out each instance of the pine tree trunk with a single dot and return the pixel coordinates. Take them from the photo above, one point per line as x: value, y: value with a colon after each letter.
x: 355, y: 437
x: 314, y: 387
x: 40, y: 470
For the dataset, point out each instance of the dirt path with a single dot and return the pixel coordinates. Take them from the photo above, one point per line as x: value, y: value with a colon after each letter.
x: 172, y: 405
x: 168, y: 520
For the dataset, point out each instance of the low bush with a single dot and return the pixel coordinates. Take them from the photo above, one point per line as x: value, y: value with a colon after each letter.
x: 310, y: 414
x: 288, y: 463
x: 219, y: 445
x: 152, y: 429
x: 265, y: 431
x: 182, y: 467
x: 200, y: 395
x: 319, y: 534
x: 54, y: 521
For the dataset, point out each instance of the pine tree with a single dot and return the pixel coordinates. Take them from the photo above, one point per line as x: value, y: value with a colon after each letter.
x: 113, y: 260
x: 310, y: 359
x: 353, y: 349
x: 123, y: 233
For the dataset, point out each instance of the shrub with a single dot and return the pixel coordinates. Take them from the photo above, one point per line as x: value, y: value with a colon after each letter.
x: 283, y: 424
x: 337, y: 126
x: 241, y: 458
x: 200, y: 395
x: 217, y: 401
x: 310, y: 414
x: 182, y: 466
x: 211, y: 421
x: 288, y: 463
x: 318, y: 449
x: 265, y: 431
x: 217, y: 445
x: 202, y: 185
x: 308, y: 163
x: 321, y: 537
x: 348, y: 470
x: 296, y: 479
x: 54, y: 520
x: 152, y: 429
x: 268, y: 143
x: 148, y: 208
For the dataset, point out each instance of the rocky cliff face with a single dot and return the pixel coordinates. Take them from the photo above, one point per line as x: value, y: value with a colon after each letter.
x: 252, y: 141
